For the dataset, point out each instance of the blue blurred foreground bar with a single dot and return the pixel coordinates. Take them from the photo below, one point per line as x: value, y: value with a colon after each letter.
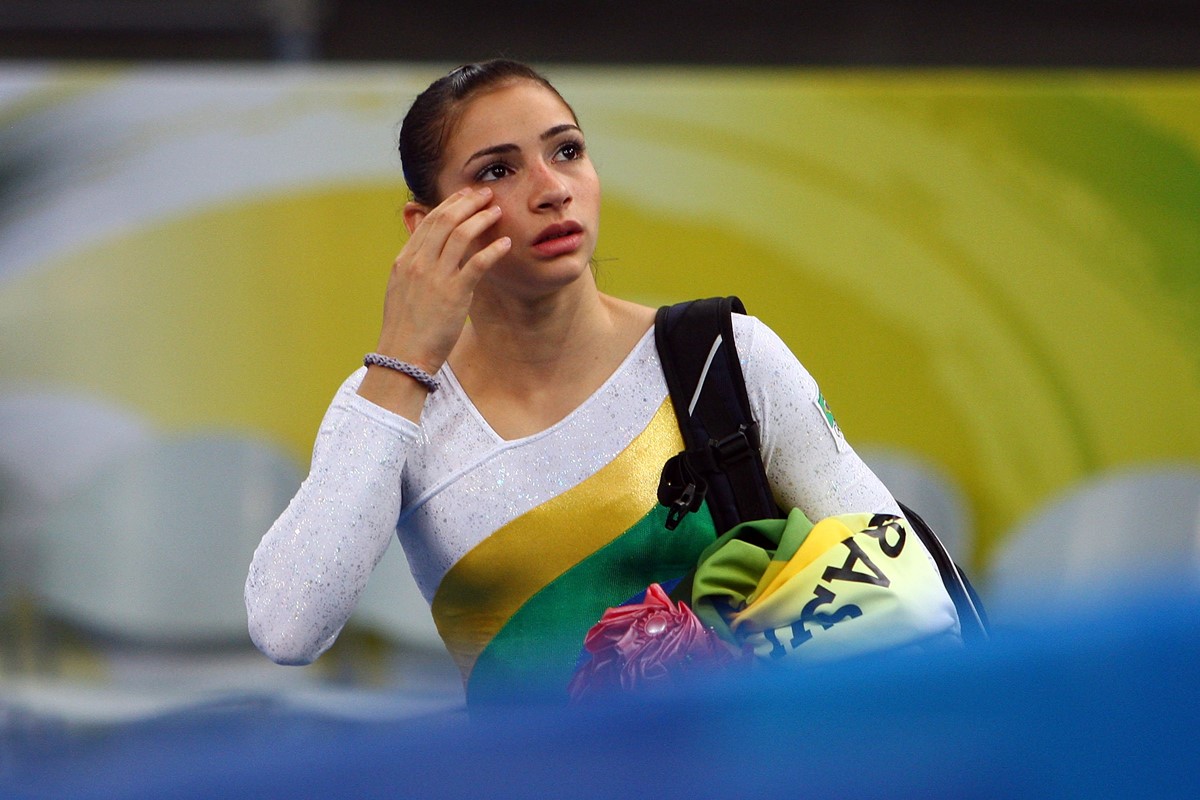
x: 1102, y: 703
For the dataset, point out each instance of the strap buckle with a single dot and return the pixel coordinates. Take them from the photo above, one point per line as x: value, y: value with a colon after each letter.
x: 738, y: 445
x: 680, y: 489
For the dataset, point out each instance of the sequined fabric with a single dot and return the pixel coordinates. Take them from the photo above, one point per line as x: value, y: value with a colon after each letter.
x: 448, y: 484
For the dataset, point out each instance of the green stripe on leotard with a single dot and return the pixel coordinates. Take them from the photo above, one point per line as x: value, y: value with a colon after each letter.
x: 534, y: 654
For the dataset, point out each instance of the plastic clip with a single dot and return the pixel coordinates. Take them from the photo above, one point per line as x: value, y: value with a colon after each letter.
x: 680, y: 490
x: 738, y: 445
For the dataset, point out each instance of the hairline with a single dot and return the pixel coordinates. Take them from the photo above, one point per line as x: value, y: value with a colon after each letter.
x: 458, y: 107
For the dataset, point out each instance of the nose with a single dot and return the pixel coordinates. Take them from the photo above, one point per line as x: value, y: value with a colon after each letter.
x: 550, y: 190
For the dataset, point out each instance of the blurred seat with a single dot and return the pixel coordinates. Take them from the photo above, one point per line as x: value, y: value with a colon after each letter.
x: 927, y: 490
x: 155, y: 547
x: 53, y: 442
x: 1115, y: 534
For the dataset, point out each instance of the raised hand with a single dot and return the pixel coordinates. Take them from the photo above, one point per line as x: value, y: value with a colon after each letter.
x: 429, y: 293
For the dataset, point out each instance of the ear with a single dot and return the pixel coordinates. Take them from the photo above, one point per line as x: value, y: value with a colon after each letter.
x: 413, y: 214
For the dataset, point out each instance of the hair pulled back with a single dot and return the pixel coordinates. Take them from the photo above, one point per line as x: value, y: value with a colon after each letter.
x: 432, y: 117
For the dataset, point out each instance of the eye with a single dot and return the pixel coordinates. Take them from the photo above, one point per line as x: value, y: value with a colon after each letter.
x: 493, y: 172
x: 570, y: 151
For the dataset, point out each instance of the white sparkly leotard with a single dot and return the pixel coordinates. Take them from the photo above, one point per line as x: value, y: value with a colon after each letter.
x: 520, y: 545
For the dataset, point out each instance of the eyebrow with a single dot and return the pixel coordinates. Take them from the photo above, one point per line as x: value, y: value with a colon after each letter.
x: 509, y: 148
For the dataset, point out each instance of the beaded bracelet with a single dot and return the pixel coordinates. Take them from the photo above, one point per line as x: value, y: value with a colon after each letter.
x: 411, y: 370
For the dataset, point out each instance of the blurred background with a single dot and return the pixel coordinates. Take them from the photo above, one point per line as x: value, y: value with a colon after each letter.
x: 977, y: 224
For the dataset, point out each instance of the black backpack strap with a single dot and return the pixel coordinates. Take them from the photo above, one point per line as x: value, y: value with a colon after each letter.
x: 721, y: 461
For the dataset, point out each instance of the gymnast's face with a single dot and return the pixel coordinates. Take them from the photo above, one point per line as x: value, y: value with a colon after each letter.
x: 524, y: 143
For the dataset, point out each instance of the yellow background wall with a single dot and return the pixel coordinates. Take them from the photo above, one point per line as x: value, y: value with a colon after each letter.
x: 997, y: 272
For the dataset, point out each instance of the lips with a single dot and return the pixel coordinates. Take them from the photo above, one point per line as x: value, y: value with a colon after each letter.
x: 557, y: 231
x: 562, y: 237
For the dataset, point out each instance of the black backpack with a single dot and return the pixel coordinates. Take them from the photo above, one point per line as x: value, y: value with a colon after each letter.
x: 721, y: 461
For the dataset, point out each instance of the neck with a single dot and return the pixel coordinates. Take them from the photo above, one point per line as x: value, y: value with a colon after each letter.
x: 526, y: 365
x: 533, y: 337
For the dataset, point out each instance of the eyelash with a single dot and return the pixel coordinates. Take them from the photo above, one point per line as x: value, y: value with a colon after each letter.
x: 573, y: 144
x: 482, y: 175
x: 577, y: 145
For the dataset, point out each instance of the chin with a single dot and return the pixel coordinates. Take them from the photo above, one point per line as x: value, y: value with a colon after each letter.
x: 542, y: 277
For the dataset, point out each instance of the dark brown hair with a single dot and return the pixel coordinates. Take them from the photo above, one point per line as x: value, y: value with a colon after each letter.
x: 432, y: 117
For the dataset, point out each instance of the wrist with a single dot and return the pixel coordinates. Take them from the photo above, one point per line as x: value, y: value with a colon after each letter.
x: 402, y: 349
x: 413, y: 370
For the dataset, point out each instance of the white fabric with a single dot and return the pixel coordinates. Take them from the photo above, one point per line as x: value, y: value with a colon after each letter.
x: 452, y: 481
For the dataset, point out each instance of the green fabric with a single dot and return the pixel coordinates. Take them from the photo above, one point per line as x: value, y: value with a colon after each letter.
x: 535, y: 653
x: 728, y: 571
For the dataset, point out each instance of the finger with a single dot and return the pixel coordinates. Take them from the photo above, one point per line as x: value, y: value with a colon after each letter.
x: 477, y: 265
x: 466, y: 236
x: 451, y: 212
x: 428, y: 238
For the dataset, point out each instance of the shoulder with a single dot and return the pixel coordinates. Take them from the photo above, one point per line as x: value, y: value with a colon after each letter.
x: 767, y: 361
x: 752, y: 333
x: 627, y: 315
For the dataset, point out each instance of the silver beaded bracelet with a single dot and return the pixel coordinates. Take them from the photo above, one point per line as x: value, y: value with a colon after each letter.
x: 411, y: 370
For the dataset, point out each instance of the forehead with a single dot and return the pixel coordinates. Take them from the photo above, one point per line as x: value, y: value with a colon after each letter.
x: 507, y: 114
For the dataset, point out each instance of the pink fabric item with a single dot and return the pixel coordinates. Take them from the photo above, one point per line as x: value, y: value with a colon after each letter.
x: 654, y: 641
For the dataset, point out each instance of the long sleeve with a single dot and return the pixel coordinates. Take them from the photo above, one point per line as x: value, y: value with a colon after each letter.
x: 311, y: 567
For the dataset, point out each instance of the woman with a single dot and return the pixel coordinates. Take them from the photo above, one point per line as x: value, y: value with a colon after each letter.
x: 514, y: 421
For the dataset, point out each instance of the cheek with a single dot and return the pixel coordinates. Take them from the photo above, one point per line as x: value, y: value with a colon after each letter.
x: 507, y: 199
x: 589, y: 188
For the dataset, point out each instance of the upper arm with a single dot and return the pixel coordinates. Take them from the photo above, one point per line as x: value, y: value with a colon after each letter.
x: 809, y: 463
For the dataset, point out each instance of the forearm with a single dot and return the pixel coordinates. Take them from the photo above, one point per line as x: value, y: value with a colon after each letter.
x: 312, y: 565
